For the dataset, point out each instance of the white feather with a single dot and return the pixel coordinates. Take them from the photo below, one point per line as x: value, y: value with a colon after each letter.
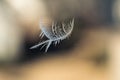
x: 54, y: 35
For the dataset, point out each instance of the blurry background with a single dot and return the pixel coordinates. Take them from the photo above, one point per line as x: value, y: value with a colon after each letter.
x: 27, y: 14
x: 93, y: 41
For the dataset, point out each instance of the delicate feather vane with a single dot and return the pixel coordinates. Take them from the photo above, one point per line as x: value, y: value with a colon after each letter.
x: 54, y: 34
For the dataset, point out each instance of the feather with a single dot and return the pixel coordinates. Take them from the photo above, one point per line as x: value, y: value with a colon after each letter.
x: 55, y: 34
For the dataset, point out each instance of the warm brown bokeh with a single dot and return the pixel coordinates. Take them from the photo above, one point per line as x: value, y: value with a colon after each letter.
x: 96, y: 55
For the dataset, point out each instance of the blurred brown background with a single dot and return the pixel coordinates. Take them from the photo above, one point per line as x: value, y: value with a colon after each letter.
x: 91, y: 53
